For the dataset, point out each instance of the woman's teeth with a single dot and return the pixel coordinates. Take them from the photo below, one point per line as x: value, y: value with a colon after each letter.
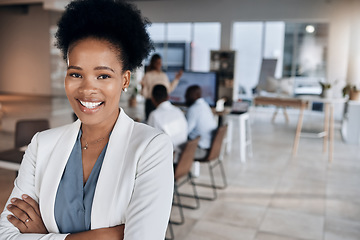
x: 90, y: 104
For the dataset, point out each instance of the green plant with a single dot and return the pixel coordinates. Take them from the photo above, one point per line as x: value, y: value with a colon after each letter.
x: 349, y: 87
x: 325, y: 86
x: 135, y: 91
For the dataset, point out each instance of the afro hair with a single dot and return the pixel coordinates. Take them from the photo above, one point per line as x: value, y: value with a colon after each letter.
x: 115, y: 21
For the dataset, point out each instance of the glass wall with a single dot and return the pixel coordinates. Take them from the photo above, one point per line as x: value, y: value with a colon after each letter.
x: 300, y: 50
x: 305, y: 49
x: 254, y: 41
x: 185, y: 45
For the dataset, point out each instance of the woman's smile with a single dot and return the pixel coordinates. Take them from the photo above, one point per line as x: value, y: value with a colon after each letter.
x: 90, y: 106
x: 94, y: 81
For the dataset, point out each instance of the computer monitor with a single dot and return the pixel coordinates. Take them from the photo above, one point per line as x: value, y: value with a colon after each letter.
x: 206, y: 80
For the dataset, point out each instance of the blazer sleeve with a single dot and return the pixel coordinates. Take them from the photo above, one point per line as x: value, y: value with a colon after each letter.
x: 149, y: 209
x: 25, y: 184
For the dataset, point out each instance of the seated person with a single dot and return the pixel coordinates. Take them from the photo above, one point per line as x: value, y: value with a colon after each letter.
x: 200, y: 120
x: 168, y: 118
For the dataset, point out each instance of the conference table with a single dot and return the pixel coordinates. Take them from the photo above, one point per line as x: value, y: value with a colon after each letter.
x: 302, y: 103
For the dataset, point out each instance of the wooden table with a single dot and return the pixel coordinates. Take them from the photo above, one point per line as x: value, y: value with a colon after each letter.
x: 328, y: 133
x: 285, y: 102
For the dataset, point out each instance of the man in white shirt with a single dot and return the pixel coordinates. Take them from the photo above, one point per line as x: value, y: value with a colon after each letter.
x: 168, y: 118
x: 200, y: 120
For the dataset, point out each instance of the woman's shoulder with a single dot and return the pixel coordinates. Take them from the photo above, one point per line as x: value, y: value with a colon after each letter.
x: 55, y: 133
x: 146, y: 133
x: 145, y: 130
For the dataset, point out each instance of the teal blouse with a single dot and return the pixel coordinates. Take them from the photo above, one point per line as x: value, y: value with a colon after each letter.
x: 74, y: 199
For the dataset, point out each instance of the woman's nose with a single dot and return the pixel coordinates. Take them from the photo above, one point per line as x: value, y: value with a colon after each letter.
x: 88, y: 87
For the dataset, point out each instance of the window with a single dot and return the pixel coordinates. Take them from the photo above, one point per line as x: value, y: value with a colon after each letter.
x: 185, y: 45
x: 300, y: 50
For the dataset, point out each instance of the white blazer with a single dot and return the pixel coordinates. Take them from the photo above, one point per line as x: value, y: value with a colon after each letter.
x: 135, y: 185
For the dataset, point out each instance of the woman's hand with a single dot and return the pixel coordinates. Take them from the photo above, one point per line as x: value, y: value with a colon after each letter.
x: 179, y: 74
x: 26, y: 215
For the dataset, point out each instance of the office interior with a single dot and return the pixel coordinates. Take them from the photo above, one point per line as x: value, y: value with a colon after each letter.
x: 273, y: 194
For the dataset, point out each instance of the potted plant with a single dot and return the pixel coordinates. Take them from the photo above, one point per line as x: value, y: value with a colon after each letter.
x: 325, y: 89
x: 353, y: 91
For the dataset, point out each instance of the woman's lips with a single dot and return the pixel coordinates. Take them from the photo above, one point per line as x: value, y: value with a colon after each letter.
x: 90, y: 106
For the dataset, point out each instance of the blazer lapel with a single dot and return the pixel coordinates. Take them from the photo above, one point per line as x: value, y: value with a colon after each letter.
x: 109, y: 177
x: 56, y: 165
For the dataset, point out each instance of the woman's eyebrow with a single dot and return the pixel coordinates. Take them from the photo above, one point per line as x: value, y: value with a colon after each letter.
x: 74, y: 67
x: 104, y: 68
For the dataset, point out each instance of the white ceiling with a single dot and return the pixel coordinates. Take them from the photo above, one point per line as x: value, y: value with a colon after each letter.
x: 57, y: 5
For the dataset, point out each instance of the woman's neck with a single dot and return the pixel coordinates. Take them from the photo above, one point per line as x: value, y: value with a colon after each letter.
x: 95, y: 132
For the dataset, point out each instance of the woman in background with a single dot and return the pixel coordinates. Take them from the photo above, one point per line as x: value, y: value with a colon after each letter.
x: 155, y: 76
x: 103, y: 176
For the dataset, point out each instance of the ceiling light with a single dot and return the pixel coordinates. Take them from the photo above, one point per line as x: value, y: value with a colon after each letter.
x: 310, y: 28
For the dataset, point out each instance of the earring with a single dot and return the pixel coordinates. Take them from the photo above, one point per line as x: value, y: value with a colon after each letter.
x: 125, y: 89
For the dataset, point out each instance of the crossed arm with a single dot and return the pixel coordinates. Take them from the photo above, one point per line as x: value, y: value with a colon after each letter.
x: 26, y: 217
x: 146, y: 215
x: 23, y: 211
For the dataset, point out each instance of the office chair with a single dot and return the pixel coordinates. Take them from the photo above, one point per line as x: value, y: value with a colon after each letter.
x: 182, y: 175
x: 24, y: 131
x: 214, y: 159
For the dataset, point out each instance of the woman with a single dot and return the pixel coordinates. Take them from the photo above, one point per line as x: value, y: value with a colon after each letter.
x: 155, y: 76
x: 104, y: 176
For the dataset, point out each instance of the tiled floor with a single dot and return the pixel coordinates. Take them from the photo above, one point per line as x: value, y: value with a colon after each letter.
x: 270, y: 197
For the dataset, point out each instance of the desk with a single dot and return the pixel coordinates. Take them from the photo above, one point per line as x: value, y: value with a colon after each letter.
x: 302, y: 103
x: 286, y: 102
x: 328, y: 133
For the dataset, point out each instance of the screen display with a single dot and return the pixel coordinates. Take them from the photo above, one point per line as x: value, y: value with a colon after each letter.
x: 206, y: 80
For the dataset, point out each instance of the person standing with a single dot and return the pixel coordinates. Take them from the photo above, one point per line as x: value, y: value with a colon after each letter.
x: 154, y: 76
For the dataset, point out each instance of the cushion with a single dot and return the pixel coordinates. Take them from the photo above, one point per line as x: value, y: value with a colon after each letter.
x: 280, y: 86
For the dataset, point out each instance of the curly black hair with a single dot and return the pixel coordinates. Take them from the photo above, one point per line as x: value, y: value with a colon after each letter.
x: 115, y: 21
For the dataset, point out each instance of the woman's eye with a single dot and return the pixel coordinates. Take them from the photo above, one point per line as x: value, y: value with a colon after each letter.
x: 104, y: 76
x: 75, y: 75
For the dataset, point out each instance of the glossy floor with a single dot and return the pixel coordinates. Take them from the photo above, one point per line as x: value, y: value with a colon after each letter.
x: 271, y: 196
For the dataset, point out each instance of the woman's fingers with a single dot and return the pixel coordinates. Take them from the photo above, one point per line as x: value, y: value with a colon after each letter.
x: 32, y: 203
x: 17, y: 223
x: 25, y: 208
x: 26, y: 215
x: 18, y: 213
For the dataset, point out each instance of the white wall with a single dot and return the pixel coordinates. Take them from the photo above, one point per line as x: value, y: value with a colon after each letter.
x: 24, y: 51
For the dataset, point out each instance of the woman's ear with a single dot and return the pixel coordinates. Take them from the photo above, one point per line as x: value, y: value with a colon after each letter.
x: 126, y: 79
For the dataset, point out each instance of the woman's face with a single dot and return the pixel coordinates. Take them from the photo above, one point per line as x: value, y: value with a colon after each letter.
x: 158, y: 64
x: 94, y: 81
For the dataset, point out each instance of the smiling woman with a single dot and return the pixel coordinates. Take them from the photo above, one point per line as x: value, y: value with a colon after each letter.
x: 104, y: 176
x: 94, y: 82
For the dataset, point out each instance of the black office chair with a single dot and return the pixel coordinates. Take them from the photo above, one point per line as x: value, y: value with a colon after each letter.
x: 24, y: 131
